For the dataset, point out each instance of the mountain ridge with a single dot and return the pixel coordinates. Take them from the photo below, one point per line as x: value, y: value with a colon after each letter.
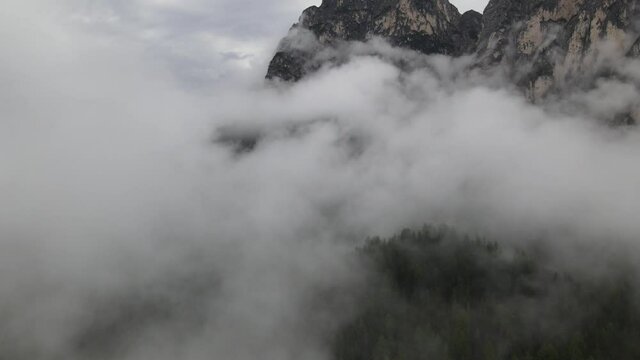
x: 542, y: 46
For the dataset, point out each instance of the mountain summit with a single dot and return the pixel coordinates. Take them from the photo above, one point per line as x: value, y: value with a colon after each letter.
x: 543, y: 46
x: 427, y: 26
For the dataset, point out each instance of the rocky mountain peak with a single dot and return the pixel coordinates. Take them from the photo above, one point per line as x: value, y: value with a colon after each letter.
x: 543, y: 46
x: 359, y: 19
x: 427, y: 26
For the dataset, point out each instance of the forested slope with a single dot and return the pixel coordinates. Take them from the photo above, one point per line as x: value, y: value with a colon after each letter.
x: 435, y: 294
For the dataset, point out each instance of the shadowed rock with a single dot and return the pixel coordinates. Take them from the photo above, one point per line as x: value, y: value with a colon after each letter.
x: 427, y: 26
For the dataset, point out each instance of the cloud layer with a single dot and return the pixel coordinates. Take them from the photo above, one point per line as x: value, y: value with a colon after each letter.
x: 129, y: 232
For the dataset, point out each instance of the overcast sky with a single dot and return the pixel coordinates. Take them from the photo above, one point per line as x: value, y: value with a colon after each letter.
x: 464, y: 5
x: 205, y: 41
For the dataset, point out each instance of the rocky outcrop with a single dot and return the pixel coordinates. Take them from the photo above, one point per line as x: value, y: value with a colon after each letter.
x: 550, y: 44
x: 427, y: 26
x: 543, y: 46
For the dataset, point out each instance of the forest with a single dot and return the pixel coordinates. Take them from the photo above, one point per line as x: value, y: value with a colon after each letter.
x: 438, y: 294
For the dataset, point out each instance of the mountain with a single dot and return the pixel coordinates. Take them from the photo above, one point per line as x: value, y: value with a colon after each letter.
x: 543, y: 46
x: 547, y: 45
x: 427, y: 26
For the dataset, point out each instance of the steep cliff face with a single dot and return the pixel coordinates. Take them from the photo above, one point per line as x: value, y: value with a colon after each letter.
x: 546, y: 45
x: 543, y: 46
x: 428, y: 26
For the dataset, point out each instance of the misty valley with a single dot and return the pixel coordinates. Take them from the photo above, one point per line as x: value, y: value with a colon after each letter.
x: 431, y: 293
x: 381, y: 180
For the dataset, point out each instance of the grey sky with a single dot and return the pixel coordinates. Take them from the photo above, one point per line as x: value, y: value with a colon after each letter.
x: 205, y: 40
x: 464, y: 5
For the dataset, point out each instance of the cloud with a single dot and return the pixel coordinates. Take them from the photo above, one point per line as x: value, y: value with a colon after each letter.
x: 129, y: 232
x: 196, y: 34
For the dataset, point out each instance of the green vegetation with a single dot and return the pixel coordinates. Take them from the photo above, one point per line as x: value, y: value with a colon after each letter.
x: 434, y: 294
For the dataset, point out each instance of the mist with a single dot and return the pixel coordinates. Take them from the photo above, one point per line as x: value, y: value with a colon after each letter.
x: 148, y: 216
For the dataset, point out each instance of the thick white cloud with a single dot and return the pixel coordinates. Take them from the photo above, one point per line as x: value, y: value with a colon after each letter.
x: 117, y: 201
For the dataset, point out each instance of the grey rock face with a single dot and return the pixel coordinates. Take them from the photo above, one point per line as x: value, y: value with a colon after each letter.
x: 550, y: 44
x: 543, y: 46
x: 427, y: 26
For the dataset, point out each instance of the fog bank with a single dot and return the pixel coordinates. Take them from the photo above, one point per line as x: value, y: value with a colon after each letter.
x: 133, y: 229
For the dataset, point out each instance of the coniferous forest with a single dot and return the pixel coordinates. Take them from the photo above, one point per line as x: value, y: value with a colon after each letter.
x: 436, y: 294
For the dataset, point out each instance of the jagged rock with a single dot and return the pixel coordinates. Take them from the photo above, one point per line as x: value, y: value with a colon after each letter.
x: 545, y: 47
x: 558, y: 43
x: 470, y: 26
x: 428, y: 26
x: 288, y: 65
